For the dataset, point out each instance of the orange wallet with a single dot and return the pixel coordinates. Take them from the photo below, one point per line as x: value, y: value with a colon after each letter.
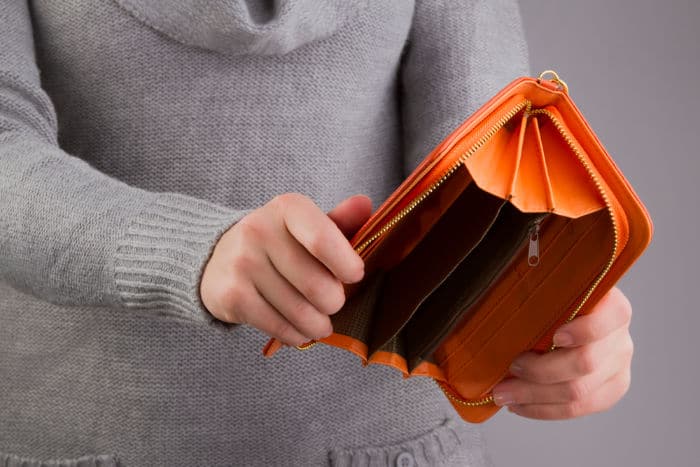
x: 513, y: 225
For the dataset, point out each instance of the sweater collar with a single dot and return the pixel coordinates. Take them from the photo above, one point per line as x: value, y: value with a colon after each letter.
x: 257, y: 27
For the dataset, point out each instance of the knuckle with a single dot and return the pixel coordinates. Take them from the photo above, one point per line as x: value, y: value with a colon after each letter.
x: 313, y: 290
x: 284, y: 201
x: 244, y: 263
x: 592, y: 330
x: 318, y: 242
x: 300, y: 310
x: 309, y: 321
x: 281, y: 200
x: 249, y: 229
x: 231, y: 314
x: 232, y: 295
x: 328, y: 296
x: 572, y: 410
x: 625, y: 309
x: 576, y: 390
x: 586, y: 362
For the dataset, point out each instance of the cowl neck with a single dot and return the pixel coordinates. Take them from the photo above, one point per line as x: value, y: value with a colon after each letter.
x: 257, y: 27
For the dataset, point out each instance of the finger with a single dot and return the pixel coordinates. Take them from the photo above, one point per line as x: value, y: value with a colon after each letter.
x: 351, y: 213
x: 518, y: 391
x: 319, y: 235
x: 255, y: 311
x: 567, y: 364
x: 305, y: 273
x: 612, y: 312
x: 603, y: 399
x: 287, y: 300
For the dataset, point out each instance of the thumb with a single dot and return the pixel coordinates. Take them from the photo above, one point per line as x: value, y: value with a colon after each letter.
x: 351, y: 213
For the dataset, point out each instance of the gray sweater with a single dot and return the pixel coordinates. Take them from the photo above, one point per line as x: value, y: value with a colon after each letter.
x: 133, y: 133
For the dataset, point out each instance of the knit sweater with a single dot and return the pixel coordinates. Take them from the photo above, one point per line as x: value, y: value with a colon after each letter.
x: 133, y: 134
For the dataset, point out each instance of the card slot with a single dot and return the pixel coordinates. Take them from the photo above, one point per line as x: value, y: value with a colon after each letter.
x: 356, y: 317
x: 453, y: 300
x: 451, y: 239
x: 565, y: 170
x: 392, y: 247
x: 530, y: 162
x: 562, y: 246
x: 532, y: 317
x: 532, y: 189
x: 555, y: 228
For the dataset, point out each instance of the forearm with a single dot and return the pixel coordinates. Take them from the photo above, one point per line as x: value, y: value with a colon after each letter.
x: 71, y: 234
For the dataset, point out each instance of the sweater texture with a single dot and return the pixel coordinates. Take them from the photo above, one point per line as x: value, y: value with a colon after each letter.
x: 133, y: 134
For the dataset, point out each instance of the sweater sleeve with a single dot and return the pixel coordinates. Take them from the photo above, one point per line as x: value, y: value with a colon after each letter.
x: 459, y: 54
x: 72, y: 235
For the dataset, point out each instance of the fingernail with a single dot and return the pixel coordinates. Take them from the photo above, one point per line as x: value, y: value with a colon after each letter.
x: 562, y: 339
x: 503, y: 398
x: 516, y: 369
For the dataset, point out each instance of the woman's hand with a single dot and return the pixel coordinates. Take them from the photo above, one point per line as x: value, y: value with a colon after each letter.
x: 282, y: 267
x: 589, y: 373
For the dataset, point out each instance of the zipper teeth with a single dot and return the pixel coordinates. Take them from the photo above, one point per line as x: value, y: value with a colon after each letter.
x: 483, y: 140
x: 412, y: 205
x: 608, y: 206
x: 489, y: 399
x: 467, y: 403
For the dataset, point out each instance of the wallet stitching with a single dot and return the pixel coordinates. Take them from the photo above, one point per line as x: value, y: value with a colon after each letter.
x: 507, y: 293
x: 538, y: 287
x: 582, y: 287
x: 543, y: 331
x: 554, y: 320
x: 520, y: 249
x: 422, y: 300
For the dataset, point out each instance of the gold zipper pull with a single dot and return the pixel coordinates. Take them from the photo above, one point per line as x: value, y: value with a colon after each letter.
x: 533, y: 251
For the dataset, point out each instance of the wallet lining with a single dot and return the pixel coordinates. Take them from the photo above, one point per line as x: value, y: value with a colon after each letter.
x: 432, y: 261
x: 453, y: 301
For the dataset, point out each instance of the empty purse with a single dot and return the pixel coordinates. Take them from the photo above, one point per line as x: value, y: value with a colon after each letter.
x: 514, y: 224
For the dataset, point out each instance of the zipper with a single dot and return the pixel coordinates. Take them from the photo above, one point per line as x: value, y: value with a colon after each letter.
x: 608, y: 206
x: 533, y: 251
x: 534, y: 248
x: 412, y: 205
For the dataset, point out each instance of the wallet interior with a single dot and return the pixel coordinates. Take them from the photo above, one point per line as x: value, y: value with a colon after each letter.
x: 408, y: 307
x: 428, y: 274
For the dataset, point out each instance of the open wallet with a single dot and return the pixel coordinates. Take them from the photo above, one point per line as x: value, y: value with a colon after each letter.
x: 514, y: 224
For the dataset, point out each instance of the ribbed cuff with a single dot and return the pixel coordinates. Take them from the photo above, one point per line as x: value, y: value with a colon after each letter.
x: 160, y: 260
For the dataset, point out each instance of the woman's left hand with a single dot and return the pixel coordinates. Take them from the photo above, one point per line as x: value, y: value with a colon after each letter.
x: 589, y: 373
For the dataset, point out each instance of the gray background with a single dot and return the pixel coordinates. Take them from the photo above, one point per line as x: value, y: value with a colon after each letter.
x: 633, y: 67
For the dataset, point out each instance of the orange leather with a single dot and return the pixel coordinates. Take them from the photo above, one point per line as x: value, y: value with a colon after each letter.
x: 531, y: 148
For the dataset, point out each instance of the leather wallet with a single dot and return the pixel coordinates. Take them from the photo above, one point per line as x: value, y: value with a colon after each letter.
x: 514, y: 224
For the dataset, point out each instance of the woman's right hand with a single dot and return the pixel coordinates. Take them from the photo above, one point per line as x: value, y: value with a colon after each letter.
x: 281, y: 268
